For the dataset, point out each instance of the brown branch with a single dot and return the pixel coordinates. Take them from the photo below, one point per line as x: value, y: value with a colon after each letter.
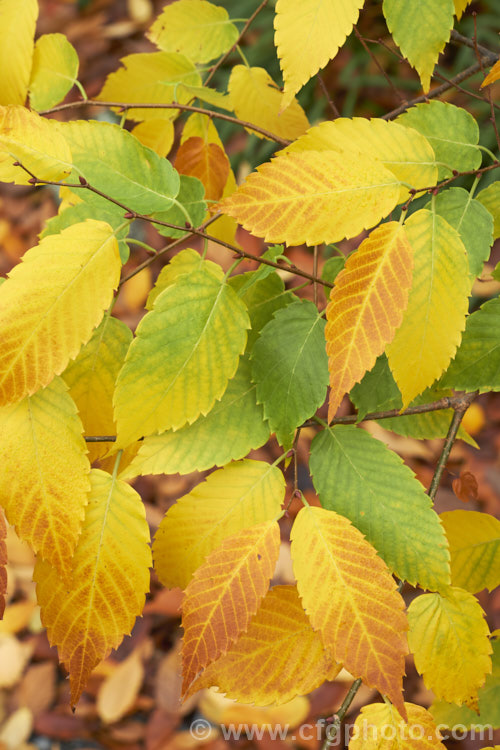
x: 327, y: 96
x: 124, y: 106
x: 469, y: 173
x: 377, y: 63
x: 461, y: 39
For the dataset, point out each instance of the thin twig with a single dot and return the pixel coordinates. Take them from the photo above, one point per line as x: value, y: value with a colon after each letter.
x: 488, y: 90
x: 461, y: 39
x: 327, y: 96
x: 377, y: 63
x: 333, y: 729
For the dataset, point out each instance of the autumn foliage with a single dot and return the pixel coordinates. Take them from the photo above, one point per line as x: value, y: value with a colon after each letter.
x: 221, y: 361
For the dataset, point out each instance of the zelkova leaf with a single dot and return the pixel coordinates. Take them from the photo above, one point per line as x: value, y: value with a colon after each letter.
x: 308, y: 33
x: 224, y: 594
x: 351, y: 599
x: 185, y: 262
x: 493, y: 75
x: 280, y: 656
x: 151, y: 77
x: 378, y: 727
x: 474, y: 540
x: 54, y: 71
x: 477, y: 363
x: 366, y: 307
x: 91, y: 379
x: 113, y: 161
x: 158, y: 135
x: 460, y: 6
x: 293, y: 198
x: 17, y: 30
x: 242, y: 494
x: 88, y: 615
x: 290, y: 369
x: 189, y: 206
x: 3, y: 564
x: 44, y: 478
x: 27, y: 138
x: 438, y: 303
x: 208, y: 162
x: 402, y: 150
x: 185, y: 351
x: 51, y: 303
x: 449, y: 639
x: 490, y: 199
x: 234, y: 427
x: 196, y: 28
x: 257, y: 99
x: 358, y: 477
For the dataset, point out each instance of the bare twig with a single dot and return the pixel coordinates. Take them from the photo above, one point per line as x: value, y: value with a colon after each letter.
x: 377, y: 63
x: 333, y: 729
x: 328, y: 98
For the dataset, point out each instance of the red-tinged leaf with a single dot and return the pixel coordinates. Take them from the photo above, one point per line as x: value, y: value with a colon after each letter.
x: 351, y: 598
x: 207, y: 162
x: 465, y: 487
x: 225, y: 593
x: 3, y: 564
x: 366, y: 306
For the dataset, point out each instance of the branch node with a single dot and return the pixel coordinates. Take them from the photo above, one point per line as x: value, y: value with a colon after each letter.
x: 129, y: 215
x: 83, y: 181
x: 32, y: 180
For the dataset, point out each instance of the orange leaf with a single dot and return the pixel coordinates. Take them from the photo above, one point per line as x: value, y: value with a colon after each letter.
x: 3, y: 563
x: 465, y: 487
x: 279, y: 656
x: 366, y: 306
x: 351, y: 598
x: 207, y: 162
x: 225, y: 593
x: 493, y: 75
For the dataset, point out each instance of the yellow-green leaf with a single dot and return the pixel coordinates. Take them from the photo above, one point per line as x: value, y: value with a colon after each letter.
x: 54, y: 71
x: 196, y: 28
x: 17, y: 30
x: 44, y: 477
x: 308, y: 33
x: 438, y: 303
x: 351, y: 598
x: 34, y: 142
x: 91, y: 379
x: 225, y: 593
x: 280, y: 656
x: 242, y: 494
x: 474, y: 548
x: 490, y: 198
x: 449, y: 638
x: 421, y: 42
x: 359, y: 325
x: 378, y: 727
x: 185, y: 351
x: 185, y: 262
x: 292, y: 199
x: 257, y: 99
x: 89, y: 615
x: 51, y: 303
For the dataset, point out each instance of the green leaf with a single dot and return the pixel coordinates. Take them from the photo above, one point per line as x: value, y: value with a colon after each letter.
x: 421, y: 29
x: 477, y: 362
x: 450, y: 715
x: 185, y: 351
x: 117, y: 164
x: 189, y: 206
x: 358, y: 477
x: 490, y: 198
x: 331, y: 269
x: 234, y: 427
x: 290, y: 368
x: 472, y: 221
x: 54, y: 71
x: 185, y: 262
x: 452, y: 132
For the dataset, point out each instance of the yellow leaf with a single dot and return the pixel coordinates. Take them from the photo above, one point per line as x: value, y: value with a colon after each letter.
x: 257, y: 99
x: 151, y: 77
x: 3, y: 564
x: 449, y: 638
x: 17, y: 31
x: 403, y: 151
x: 242, y: 494
x: 351, y: 598
x: 201, y: 126
x: 366, y: 306
x: 278, y: 658
x: 91, y: 380
x: 292, y: 199
x: 474, y: 548
x: 435, y: 317
x: 460, y: 6
x: 196, y: 28
x: 119, y: 691
x: 89, y: 615
x: 135, y: 292
x: 493, y: 75
x: 34, y: 142
x: 308, y: 34
x: 155, y: 134
x: 225, y: 593
x: 44, y: 478
x: 51, y: 303
x: 207, y: 162
x: 378, y: 727
x: 54, y: 71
